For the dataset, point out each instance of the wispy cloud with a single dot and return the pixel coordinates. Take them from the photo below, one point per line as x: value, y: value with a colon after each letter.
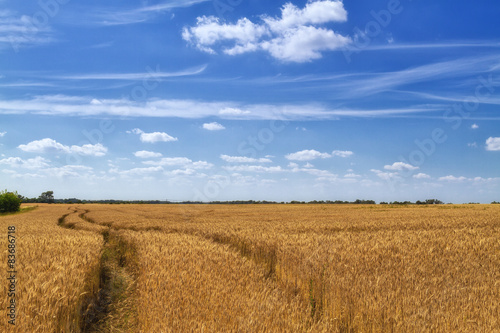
x: 442, y: 45
x: 138, y: 15
x: 64, y: 105
x: 244, y: 159
x: 20, y: 31
x: 489, y: 100
x: 155, y: 74
x: 378, y: 83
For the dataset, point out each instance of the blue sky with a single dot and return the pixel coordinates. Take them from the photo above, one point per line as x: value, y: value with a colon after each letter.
x: 248, y: 99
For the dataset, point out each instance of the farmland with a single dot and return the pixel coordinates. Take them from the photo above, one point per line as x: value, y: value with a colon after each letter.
x: 248, y: 268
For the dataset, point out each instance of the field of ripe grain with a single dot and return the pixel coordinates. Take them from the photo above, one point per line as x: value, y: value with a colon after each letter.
x: 272, y: 268
x: 57, y: 271
x: 361, y: 268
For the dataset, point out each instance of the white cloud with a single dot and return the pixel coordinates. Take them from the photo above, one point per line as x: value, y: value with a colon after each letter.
x: 307, y: 155
x: 233, y: 111
x: 21, y: 31
x: 473, y: 144
x: 182, y: 172
x: 146, y: 154
x: 209, y: 31
x: 90, y: 150
x: 421, y: 176
x: 149, y: 75
x: 400, y: 166
x: 153, y: 137
x: 352, y: 175
x: 294, y: 37
x: 253, y: 168
x: 138, y: 171
x: 170, y: 161
x: 451, y: 178
x: 48, y: 145
x: 31, y: 163
x: 317, y: 12
x: 213, y: 126
x: 481, y: 180
x: 304, y: 44
x: 77, y: 171
x: 474, y: 126
x: 88, y: 106
x: 342, y: 153
x: 118, y: 16
x: 201, y: 165
x: 493, y: 144
x: 2, y: 134
x: 323, y: 175
x: 386, y: 175
x: 244, y: 159
x: 180, y: 161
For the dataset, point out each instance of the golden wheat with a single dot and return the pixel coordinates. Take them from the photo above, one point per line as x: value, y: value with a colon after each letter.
x: 57, y: 268
x: 267, y: 268
x: 361, y: 268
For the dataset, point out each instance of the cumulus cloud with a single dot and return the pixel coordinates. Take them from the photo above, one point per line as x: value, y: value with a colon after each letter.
x: 138, y: 171
x: 400, y: 166
x: 48, y: 145
x: 31, y: 163
x: 213, y: 126
x: 2, y: 134
x: 452, y: 178
x: 493, y: 144
x: 352, y: 175
x: 386, y: 175
x: 244, y: 159
x: 180, y: 161
x: 342, y: 153
x: 421, y: 176
x: 306, y: 155
x: 153, y: 137
x: 90, y: 150
x: 474, y: 126
x: 253, y: 168
x: 146, y: 154
x: 294, y: 37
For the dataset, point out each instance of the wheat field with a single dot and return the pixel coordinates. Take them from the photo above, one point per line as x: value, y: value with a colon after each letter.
x: 256, y: 268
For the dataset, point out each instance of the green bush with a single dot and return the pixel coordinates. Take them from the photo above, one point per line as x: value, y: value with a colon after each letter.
x: 9, y: 202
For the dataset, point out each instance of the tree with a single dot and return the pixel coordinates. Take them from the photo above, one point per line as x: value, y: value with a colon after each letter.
x: 47, y: 197
x: 9, y: 202
x: 433, y: 202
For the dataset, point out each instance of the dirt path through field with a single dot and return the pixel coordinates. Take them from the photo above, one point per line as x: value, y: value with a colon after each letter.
x: 112, y: 307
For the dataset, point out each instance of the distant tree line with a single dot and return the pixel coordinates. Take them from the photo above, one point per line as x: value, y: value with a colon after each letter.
x: 48, y: 197
x: 45, y: 197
